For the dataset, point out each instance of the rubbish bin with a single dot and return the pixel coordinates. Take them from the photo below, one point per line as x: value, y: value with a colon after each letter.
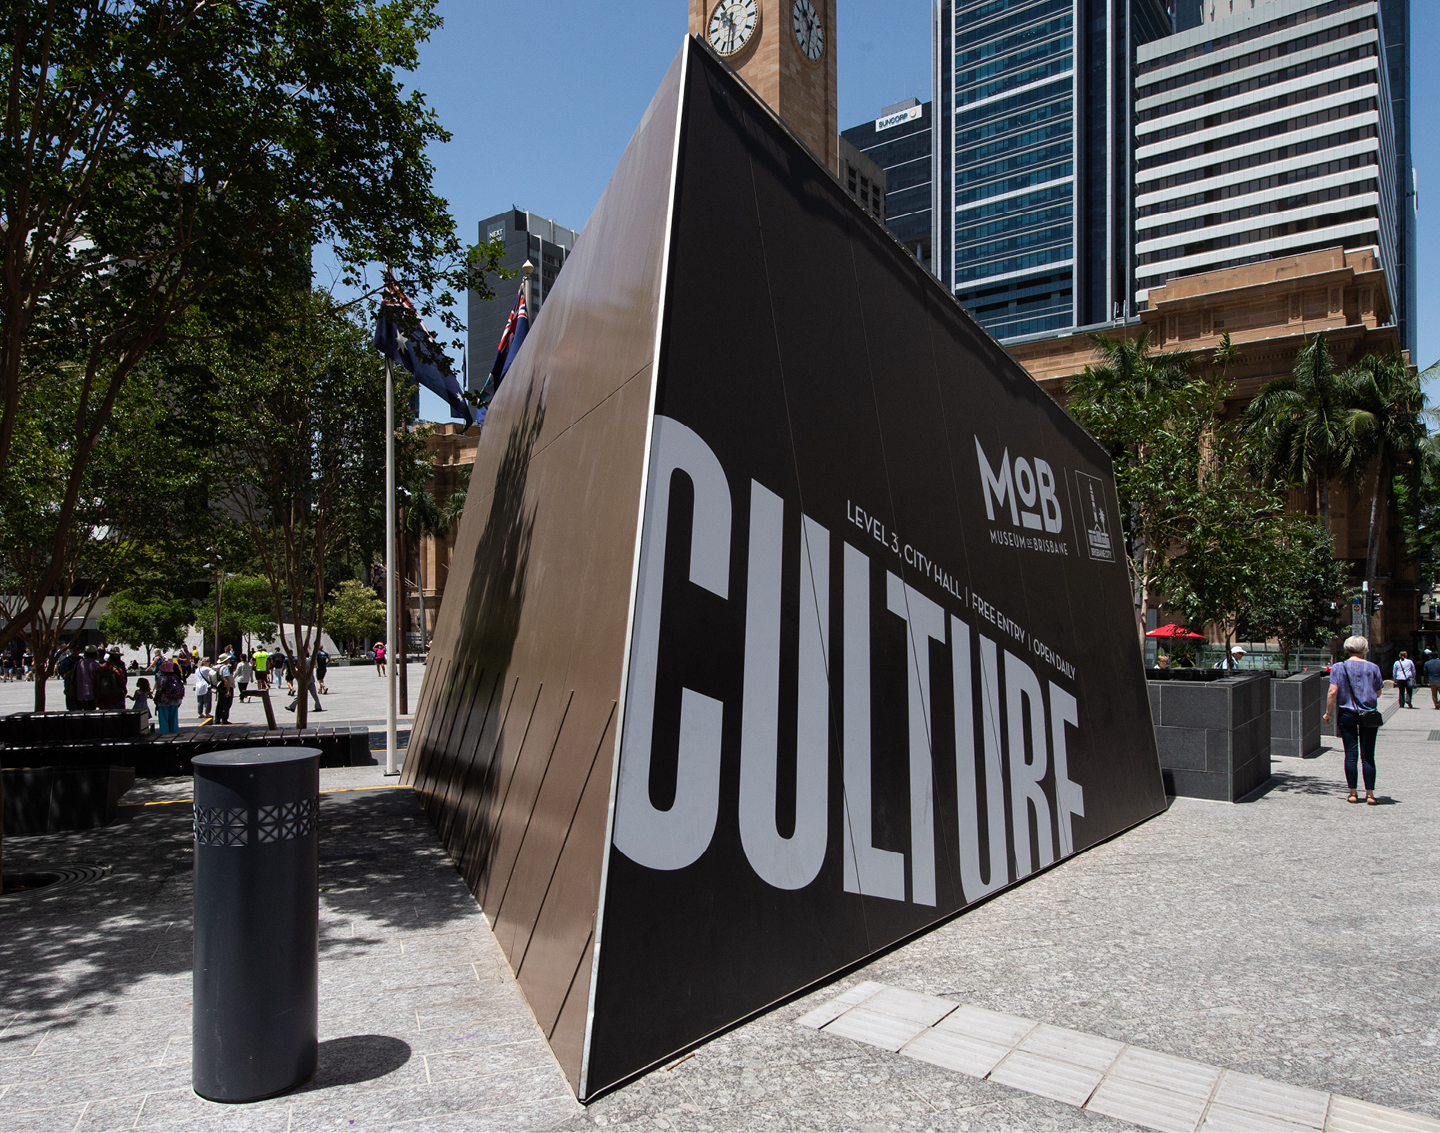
x: 257, y: 907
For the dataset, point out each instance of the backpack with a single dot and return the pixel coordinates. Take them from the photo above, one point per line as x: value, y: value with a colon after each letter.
x: 170, y: 689
x: 107, y: 684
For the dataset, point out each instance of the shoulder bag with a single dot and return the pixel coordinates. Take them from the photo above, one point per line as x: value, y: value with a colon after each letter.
x: 1369, y: 718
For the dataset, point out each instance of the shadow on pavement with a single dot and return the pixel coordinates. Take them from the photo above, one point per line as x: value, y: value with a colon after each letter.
x: 70, y: 959
x: 1289, y: 783
x: 357, y: 1058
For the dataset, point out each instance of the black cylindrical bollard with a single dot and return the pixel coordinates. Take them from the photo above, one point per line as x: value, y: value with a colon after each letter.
x: 257, y: 910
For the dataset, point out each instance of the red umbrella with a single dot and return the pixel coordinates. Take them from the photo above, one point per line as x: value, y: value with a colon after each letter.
x: 1174, y: 631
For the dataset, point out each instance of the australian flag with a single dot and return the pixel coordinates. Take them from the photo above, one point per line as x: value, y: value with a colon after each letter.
x: 517, y: 326
x: 417, y: 350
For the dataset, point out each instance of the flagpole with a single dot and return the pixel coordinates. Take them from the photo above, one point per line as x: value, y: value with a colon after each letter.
x: 390, y: 611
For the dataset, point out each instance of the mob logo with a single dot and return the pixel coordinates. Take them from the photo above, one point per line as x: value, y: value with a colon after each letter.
x: 1030, y: 486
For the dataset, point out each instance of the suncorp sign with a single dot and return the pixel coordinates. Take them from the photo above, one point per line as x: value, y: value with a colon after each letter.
x: 898, y: 118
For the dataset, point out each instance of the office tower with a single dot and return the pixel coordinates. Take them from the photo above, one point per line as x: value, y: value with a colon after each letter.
x: 1395, y: 16
x: 900, y: 141
x: 526, y: 236
x: 1262, y: 134
x: 1032, y: 147
x: 863, y: 179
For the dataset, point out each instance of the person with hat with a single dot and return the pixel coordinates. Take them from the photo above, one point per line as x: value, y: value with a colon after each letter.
x: 85, y: 679
x: 110, y: 683
x: 1233, y: 661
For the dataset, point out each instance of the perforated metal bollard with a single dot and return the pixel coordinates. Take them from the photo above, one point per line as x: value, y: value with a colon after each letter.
x: 257, y: 908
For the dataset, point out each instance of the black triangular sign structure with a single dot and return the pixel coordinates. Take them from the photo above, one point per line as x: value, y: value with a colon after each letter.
x: 788, y: 615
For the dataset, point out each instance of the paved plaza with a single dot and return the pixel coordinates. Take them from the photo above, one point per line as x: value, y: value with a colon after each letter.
x: 1290, y: 938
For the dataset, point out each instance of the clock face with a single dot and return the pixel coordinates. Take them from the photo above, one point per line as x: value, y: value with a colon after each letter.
x: 732, y: 23
x: 809, y: 30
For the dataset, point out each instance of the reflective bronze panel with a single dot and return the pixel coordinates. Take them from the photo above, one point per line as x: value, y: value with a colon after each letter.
x: 509, y: 751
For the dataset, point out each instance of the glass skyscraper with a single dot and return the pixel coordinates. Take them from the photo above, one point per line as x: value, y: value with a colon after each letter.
x: 1033, y: 222
x: 899, y: 142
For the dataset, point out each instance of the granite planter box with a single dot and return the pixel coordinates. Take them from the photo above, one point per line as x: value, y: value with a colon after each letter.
x: 1297, y: 703
x: 43, y: 800
x: 1213, y: 736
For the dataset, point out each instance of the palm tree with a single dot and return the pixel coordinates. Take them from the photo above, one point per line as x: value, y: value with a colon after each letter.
x: 1302, y: 420
x: 1386, y: 430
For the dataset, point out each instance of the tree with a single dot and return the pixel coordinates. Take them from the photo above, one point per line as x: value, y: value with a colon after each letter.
x: 1302, y: 424
x: 300, y: 431
x: 164, y: 155
x: 1386, y: 431
x: 247, y: 609
x: 354, y: 612
x: 141, y: 498
x: 1149, y: 413
x: 1299, y: 599
x: 1227, y: 559
x: 148, y: 615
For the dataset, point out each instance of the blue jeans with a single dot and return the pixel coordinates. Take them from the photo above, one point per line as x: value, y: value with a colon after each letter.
x: 169, y: 717
x: 1359, y: 747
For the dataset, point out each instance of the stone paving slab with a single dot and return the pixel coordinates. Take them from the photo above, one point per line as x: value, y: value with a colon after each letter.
x: 421, y: 1023
x: 1099, y: 1075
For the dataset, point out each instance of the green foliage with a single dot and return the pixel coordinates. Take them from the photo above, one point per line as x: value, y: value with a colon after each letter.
x: 139, y: 506
x: 1149, y: 413
x: 1299, y: 424
x: 1387, y: 432
x: 148, y: 615
x: 1299, y: 598
x: 247, y: 607
x: 161, y: 157
x: 1206, y: 535
x: 298, y: 417
x: 354, y: 612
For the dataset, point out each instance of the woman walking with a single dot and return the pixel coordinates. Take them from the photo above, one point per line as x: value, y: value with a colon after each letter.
x: 1355, y: 686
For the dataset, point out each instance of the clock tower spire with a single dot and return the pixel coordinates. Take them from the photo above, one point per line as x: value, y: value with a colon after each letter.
x: 785, y: 51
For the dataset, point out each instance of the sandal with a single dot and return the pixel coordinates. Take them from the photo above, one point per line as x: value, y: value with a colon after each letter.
x: 1371, y: 800
x: 1354, y: 798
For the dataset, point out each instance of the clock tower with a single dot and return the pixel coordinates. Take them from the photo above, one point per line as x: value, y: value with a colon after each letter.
x: 785, y: 51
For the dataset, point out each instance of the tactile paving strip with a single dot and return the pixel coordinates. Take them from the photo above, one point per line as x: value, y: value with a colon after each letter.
x: 1144, y: 1087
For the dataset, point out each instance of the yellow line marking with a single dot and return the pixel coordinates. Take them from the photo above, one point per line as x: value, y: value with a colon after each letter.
x: 330, y: 791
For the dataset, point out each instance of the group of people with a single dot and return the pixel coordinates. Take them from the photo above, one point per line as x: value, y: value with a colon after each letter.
x: 16, y: 665
x: 97, y: 680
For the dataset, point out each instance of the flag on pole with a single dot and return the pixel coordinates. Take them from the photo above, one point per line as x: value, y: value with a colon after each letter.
x: 417, y: 350
x: 517, y: 326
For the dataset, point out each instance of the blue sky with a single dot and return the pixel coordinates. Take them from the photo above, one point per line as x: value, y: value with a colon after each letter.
x: 541, y: 99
